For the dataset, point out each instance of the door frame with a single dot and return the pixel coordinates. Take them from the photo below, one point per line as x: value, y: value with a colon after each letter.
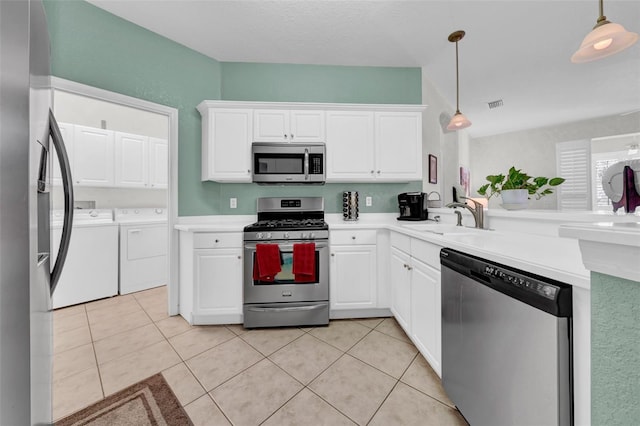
x: 171, y: 113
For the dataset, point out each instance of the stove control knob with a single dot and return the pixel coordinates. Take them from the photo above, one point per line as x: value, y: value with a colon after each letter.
x: 259, y: 235
x: 268, y: 235
x: 312, y: 235
x: 303, y: 235
x: 286, y: 235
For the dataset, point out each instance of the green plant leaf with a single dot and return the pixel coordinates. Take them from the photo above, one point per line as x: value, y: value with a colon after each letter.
x: 483, y: 189
x: 556, y: 181
x: 541, y: 181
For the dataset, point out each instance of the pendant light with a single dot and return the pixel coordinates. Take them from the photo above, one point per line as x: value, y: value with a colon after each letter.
x: 604, y: 40
x: 458, y: 121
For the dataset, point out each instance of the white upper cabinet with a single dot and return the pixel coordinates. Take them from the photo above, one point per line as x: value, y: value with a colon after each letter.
x: 350, y: 151
x: 67, y: 132
x: 93, y: 156
x: 158, y: 163
x: 226, y: 144
x: 278, y: 125
x: 398, y: 145
x: 365, y: 143
x: 131, y: 160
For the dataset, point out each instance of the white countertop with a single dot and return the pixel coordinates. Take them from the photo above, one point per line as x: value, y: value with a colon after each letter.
x: 553, y: 257
x: 608, y: 247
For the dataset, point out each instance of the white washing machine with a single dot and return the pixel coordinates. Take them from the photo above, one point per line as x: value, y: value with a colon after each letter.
x: 91, y: 269
x: 143, y: 248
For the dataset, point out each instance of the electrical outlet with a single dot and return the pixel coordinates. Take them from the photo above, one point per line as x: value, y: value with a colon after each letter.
x: 368, y: 201
x: 233, y: 203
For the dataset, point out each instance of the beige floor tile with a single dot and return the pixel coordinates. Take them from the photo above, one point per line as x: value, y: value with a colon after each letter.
x: 73, y: 361
x: 353, y: 387
x: 269, y: 340
x: 75, y: 392
x: 391, y: 328
x: 204, y: 412
x: 183, y: 384
x: 109, y: 302
x: 307, y: 408
x: 200, y: 339
x: 238, y: 329
x: 121, y: 344
x: 306, y: 357
x: 173, y: 326
x: 407, y: 406
x: 369, y: 322
x: 113, y: 310
x: 157, y: 311
x: 342, y: 334
x: 384, y: 353
x: 122, y: 372
x: 152, y: 293
x: 70, y: 339
x: 255, y: 394
x: 70, y: 321
x: 117, y: 324
x: 421, y: 376
x: 221, y: 363
x: 70, y: 310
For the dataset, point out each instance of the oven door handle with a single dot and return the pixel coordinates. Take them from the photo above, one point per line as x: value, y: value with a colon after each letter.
x: 288, y: 309
x: 289, y: 245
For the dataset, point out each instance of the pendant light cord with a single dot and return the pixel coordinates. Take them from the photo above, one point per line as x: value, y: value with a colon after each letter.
x: 457, y: 83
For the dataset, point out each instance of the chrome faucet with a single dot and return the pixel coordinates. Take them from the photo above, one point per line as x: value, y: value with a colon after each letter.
x: 476, y: 211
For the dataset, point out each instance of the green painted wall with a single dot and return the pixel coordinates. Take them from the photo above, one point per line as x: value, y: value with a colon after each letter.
x: 317, y: 83
x: 96, y: 48
x: 615, y: 350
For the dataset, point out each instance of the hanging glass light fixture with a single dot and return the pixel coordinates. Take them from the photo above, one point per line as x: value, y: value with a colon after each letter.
x: 458, y: 121
x: 604, y: 40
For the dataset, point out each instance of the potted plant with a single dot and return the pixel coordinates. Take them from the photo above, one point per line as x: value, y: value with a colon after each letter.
x: 516, y: 187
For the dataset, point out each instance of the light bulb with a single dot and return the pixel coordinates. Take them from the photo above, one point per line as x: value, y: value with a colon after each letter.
x: 603, y: 44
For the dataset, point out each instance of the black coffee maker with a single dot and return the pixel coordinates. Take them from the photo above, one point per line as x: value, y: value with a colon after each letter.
x: 412, y: 205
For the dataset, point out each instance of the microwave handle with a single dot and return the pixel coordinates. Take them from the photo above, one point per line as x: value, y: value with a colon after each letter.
x: 306, y: 164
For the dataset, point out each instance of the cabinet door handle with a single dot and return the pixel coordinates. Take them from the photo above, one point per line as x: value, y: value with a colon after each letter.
x: 291, y: 135
x: 217, y: 240
x: 372, y: 171
x: 353, y: 237
x: 333, y: 254
x: 239, y: 257
x: 409, y: 268
x: 285, y: 135
x: 378, y: 171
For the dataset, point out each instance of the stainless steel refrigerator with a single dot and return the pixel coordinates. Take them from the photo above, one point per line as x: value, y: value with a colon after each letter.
x: 27, y: 277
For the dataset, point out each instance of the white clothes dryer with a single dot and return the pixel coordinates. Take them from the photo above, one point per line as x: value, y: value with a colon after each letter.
x: 143, y: 248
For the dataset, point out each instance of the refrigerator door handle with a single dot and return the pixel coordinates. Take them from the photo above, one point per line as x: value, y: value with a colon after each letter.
x: 67, y: 186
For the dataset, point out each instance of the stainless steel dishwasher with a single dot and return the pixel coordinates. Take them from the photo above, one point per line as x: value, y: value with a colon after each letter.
x: 506, y: 343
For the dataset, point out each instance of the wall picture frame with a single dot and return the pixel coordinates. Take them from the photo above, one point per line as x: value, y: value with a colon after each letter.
x: 433, y: 169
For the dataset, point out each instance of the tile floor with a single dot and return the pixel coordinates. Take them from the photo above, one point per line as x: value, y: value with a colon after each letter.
x: 351, y: 372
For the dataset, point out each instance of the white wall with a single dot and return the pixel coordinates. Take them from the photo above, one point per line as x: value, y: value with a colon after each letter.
x: 451, y: 148
x: 533, y: 150
x: 108, y: 198
x: 77, y: 109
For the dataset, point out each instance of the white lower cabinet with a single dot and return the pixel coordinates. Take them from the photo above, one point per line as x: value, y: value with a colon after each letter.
x: 415, y: 294
x: 425, y: 312
x: 401, y: 288
x: 211, y: 277
x: 353, y: 280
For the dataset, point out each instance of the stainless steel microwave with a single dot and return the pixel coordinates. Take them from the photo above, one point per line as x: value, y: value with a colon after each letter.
x: 288, y: 163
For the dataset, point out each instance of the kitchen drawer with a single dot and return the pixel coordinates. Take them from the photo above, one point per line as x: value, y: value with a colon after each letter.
x: 426, y: 252
x: 204, y: 240
x: 355, y: 237
x: 401, y: 242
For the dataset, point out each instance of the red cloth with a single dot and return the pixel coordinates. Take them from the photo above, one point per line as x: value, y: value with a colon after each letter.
x: 304, y: 262
x: 267, y: 262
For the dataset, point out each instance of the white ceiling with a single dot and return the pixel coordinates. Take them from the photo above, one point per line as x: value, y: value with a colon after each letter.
x: 514, y: 50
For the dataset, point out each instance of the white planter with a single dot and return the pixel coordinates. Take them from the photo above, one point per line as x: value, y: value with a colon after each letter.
x: 515, y: 199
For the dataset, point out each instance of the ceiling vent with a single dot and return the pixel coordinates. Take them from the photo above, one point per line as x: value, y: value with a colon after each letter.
x: 495, y: 104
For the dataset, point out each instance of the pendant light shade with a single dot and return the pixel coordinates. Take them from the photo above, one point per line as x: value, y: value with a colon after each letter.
x: 604, y: 40
x: 458, y: 121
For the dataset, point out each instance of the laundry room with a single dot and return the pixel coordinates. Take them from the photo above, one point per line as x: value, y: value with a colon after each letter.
x: 118, y: 157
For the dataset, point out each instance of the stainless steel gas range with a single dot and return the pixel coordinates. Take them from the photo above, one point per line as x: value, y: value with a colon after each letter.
x: 286, y: 264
